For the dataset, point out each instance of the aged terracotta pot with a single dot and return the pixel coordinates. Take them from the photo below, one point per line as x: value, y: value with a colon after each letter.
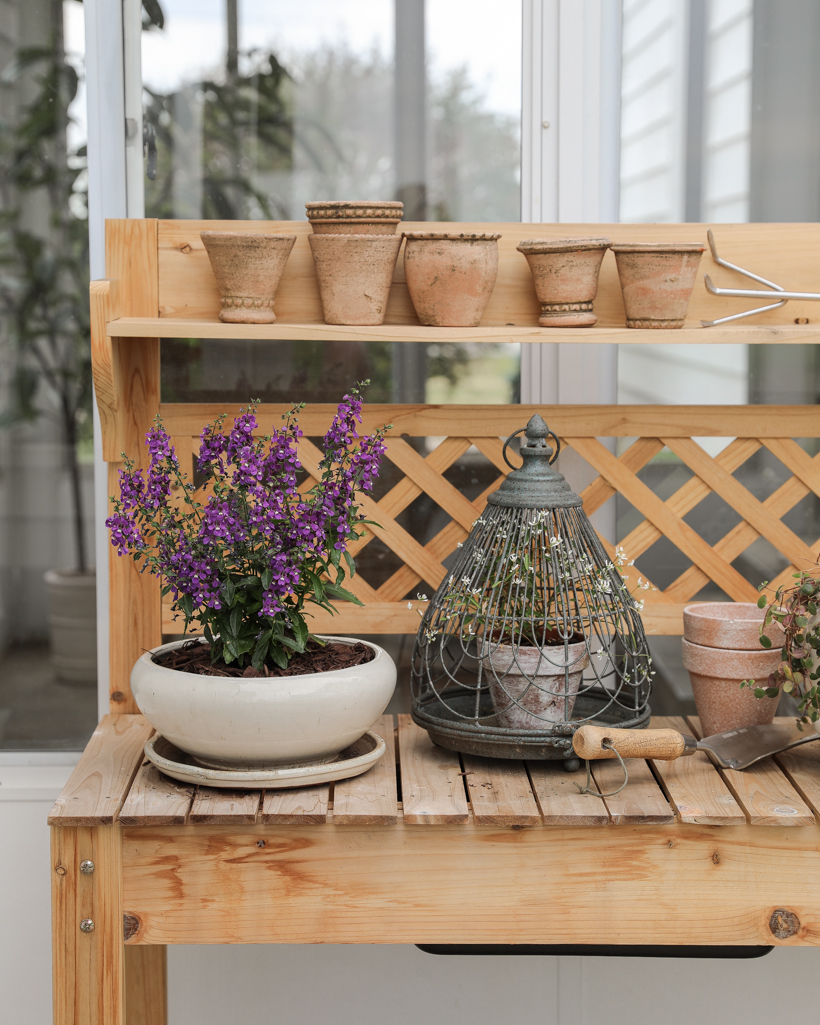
x: 365, y: 217
x: 527, y: 684
x: 354, y: 274
x: 247, y: 268
x: 657, y: 280
x: 716, y: 675
x: 729, y: 624
x: 565, y: 274
x: 450, y: 278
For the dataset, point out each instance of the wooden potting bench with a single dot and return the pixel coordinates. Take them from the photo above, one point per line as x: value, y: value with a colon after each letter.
x: 428, y: 847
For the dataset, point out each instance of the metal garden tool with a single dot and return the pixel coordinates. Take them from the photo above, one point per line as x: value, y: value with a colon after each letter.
x: 772, y: 291
x: 735, y: 749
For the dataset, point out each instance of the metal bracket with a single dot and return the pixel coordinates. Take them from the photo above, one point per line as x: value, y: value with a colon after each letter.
x: 748, y: 293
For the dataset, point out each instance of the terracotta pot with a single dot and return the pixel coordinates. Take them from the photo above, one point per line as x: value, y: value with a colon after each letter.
x: 72, y: 625
x: 450, y: 278
x: 247, y: 268
x: 354, y: 273
x: 365, y: 217
x: 716, y: 675
x: 657, y: 280
x: 565, y: 274
x: 527, y: 685
x: 253, y: 723
x: 729, y: 624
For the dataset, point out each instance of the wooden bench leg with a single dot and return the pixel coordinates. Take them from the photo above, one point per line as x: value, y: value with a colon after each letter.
x: 87, y: 936
x: 146, y: 985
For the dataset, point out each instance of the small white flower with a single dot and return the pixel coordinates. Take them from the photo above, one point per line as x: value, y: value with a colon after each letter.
x: 460, y: 544
x: 554, y: 542
x: 421, y: 597
x: 409, y: 605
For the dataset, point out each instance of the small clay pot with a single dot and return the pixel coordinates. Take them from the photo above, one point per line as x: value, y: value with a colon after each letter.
x: 729, y: 624
x: 657, y: 279
x: 354, y: 273
x: 716, y: 675
x: 565, y: 274
x: 247, y: 268
x: 450, y: 278
x: 366, y: 217
x: 527, y: 685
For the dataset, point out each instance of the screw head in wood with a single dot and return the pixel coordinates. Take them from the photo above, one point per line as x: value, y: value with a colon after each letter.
x: 86, y: 867
x: 87, y: 925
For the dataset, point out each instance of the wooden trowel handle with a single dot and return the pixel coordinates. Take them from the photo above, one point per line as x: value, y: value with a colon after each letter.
x: 661, y: 744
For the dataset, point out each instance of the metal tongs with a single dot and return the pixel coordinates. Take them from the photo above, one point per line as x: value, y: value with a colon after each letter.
x: 748, y: 293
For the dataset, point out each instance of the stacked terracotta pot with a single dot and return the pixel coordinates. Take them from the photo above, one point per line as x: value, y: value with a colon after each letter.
x: 721, y: 649
x: 355, y: 248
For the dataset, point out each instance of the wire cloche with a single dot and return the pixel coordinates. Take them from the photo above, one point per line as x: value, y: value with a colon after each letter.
x: 533, y: 631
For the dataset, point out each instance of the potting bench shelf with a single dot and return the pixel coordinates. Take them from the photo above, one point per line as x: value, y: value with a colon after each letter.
x: 428, y: 847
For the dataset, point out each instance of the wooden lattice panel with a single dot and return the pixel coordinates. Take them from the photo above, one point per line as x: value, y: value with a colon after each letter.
x: 387, y: 609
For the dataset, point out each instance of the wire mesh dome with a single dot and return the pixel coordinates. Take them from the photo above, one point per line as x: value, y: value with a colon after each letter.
x: 533, y: 632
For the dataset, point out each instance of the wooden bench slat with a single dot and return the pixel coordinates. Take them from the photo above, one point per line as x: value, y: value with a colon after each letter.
x: 299, y: 806
x: 802, y: 766
x: 97, y: 787
x: 225, y: 807
x: 641, y: 801
x: 559, y: 797
x: 432, y: 785
x: 695, y: 788
x: 372, y: 798
x: 764, y: 792
x: 500, y: 792
x: 156, y: 800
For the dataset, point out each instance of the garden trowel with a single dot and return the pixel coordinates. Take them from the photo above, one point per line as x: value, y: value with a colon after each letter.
x: 735, y: 749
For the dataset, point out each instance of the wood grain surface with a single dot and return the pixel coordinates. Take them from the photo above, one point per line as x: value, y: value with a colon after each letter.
x: 155, y: 799
x: 146, y: 985
x: 560, y: 799
x: 763, y: 791
x: 372, y: 798
x: 214, y: 805
x: 100, y: 781
x: 432, y: 782
x: 294, y: 806
x: 500, y: 792
x: 696, y: 790
x: 641, y: 801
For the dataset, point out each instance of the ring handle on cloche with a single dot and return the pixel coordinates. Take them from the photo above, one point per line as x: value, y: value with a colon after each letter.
x: 550, y: 434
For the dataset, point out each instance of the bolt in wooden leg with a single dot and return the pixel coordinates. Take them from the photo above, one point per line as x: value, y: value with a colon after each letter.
x: 146, y: 985
x: 88, y: 950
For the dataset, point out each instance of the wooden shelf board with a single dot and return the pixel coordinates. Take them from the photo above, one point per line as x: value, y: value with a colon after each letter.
x: 178, y: 327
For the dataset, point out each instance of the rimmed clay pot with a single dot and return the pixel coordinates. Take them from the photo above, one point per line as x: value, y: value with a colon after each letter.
x: 657, y: 279
x: 729, y: 624
x: 363, y: 217
x: 257, y: 722
x: 529, y: 686
x: 450, y: 277
x: 565, y: 275
x: 354, y: 274
x: 716, y: 675
x: 247, y: 268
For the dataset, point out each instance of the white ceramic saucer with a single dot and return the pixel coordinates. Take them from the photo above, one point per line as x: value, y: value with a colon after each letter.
x: 353, y: 761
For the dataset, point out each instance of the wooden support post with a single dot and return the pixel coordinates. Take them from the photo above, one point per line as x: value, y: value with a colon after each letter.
x: 146, y: 985
x: 88, y: 949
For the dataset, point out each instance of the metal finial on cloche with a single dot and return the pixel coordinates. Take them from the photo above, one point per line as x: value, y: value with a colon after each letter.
x: 533, y: 631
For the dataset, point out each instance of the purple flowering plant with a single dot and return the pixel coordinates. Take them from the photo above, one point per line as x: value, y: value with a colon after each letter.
x: 247, y: 561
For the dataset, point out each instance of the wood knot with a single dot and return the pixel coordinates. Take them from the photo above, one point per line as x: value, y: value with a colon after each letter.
x: 260, y: 843
x: 60, y: 870
x: 185, y: 248
x: 784, y: 923
x: 130, y: 926
x: 716, y: 857
x: 118, y: 696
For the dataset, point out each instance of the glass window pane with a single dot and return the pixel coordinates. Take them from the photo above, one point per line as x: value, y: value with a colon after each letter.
x: 48, y: 698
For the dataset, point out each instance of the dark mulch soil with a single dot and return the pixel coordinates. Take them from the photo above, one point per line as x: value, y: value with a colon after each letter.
x: 195, y: 657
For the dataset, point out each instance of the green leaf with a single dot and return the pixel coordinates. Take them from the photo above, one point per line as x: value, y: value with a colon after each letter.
x: 267, y: 577
x: 760, y: 692
x: 228, y: 590
x: 351, y: 565
x: 300, y: 630
x: 277, y: 653
x: 761, y: 602
x: 765, y: 642
x: 335, y: 557
x: 772, y: 692
x: 236, y: 620
x: 335, y: 591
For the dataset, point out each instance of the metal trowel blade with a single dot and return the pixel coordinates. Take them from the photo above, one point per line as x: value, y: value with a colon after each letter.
x: 738, y: 749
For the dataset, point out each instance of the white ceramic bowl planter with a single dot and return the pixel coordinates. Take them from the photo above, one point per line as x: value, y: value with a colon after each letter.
x: 255, y: 723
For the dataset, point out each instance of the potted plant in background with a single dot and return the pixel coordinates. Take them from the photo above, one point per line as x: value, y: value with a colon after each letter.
x: 796, y: 611
x: 259, y: 689
x: 44, y: 303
